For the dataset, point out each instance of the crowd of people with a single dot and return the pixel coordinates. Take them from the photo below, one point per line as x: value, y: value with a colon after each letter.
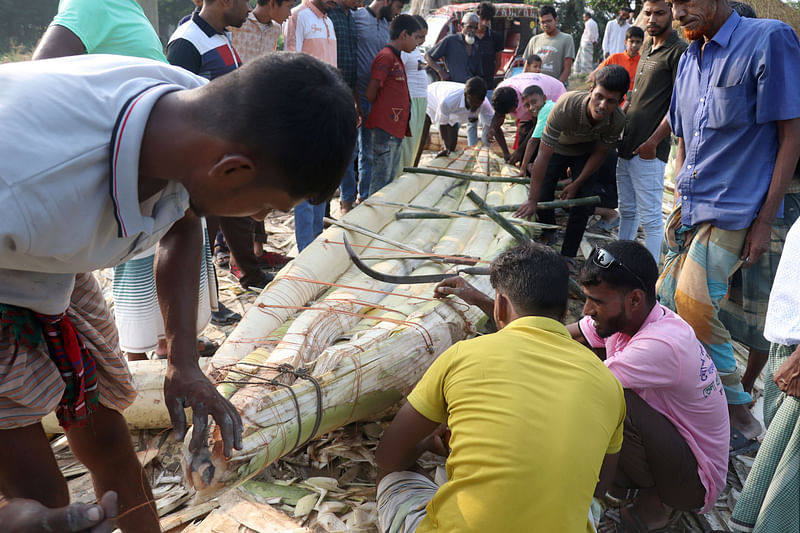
x: 187, y: 148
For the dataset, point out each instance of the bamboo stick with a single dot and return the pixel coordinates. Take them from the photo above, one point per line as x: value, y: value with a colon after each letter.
x: 520, y: 237
x: 464, y: 176
x: 555, y: 204
x: 456, y: 214
x: 369, y: 233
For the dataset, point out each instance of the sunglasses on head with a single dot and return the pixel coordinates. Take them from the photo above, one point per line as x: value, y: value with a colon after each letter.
x: 605, y: 259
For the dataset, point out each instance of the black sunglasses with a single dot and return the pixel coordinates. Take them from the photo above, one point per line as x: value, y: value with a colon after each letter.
x: 604, y: 259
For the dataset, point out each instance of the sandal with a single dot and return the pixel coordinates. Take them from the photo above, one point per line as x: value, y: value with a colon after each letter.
x: 222, y: 256
x: 740, y: 444
x: 224, y: 316
x: 627, y: 520
x: 206, y: 347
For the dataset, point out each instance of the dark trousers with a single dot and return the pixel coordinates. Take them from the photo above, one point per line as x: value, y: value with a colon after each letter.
x: 655, y: 455
x: 238, y: 232
x: 606, y: 187
x: 578, y: 216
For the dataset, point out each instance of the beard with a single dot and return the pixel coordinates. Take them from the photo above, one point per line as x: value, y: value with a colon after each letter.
x: 612, y: 325
x: 658, y: 30
x: 697, y: 33
x: 386, y: 13
x: 469, y: 39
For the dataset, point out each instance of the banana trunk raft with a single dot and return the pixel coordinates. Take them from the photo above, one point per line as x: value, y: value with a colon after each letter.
x: 325, y: 345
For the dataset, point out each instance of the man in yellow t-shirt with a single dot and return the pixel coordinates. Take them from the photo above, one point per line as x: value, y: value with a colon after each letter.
x: 533, y: 417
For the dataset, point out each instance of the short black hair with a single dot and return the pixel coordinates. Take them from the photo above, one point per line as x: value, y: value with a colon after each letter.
x: 476, y: 86
x: 269, y: 104
x: 548, y: 10
x: 534, y: 277
x: 533, y: 58
x: 634, y: 31
x: 402, y: 23
x: 744, y: 10
x: 635, y: 257
x: 613, y: 78
x: 486, y: 10
x: 504, y: 100
x: 421, y: 21
x: 533, y: 90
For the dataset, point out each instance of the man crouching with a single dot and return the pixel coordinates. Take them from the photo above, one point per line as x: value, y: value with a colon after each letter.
x: 533, y: 417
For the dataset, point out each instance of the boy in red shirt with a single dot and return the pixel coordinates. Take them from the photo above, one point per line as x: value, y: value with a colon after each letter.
x: 629, y: 59
x: 391, y: 102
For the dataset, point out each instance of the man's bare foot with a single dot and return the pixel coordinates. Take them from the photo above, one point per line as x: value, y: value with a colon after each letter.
x: 26, y: 516
x: 743, y: 421
x: 346, y: 207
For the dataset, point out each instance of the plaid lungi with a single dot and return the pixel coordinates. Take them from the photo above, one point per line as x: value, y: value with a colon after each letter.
x: 402, y: 501
x: 745, y: 309
x: 699, y: 263
x: 31, y: 385
x: 770, y: 500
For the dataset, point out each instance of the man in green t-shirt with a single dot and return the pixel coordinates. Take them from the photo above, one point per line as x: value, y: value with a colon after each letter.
x: 580, y: 130
x: 556, y: 49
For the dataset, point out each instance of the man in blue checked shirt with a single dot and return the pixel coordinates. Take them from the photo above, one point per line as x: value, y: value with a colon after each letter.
x: 736, y: 111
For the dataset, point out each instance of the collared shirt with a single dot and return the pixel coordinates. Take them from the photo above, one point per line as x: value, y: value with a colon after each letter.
x: 447, y: 105
x: 196, y: 46
x: 541, y: 119
x: 569, y: 132
x: 255, y: 38
x: 416, y: 74
x: 552, y: 88
x: 725, y: 106
x: 488, y: 47
x: 110, y: 27
x: 501, y: 394
x: 614, y: 38
x: 624, y: 60
x: 652, y: 90
x: 665, y: 364
x: 309, y: 30
x: 373, y: 35
x: 392, y: 107
x: 460, y: 65
x: 75, y: 207
x: 346, y: 43
x: 590, y: 32
x: 553, y: 51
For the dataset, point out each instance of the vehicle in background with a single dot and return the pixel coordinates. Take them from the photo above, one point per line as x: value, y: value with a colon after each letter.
x: 515, y: 22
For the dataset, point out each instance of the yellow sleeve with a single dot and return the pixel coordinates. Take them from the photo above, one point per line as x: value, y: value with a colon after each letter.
x: 615, y: 445
x: 428, y: 397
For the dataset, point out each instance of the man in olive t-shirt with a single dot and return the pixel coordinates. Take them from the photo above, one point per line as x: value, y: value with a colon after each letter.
x: 580, y: 130
x: 556, y: 49
x: 644, y: 149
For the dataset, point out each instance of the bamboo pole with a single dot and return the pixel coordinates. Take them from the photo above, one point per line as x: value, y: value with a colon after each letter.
x: 372, y: 234
x: 456, y: 214
x: 555, y: 204
x: 520, y: 237
x: 464, y: 176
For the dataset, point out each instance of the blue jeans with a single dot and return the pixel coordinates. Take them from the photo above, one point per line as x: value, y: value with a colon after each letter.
x: 307, y: 223
x: 364, y: 152
x: 347, y: 187
x: 640, y: 189
x: 386, y: 150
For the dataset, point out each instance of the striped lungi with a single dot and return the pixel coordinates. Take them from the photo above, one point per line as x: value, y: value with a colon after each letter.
x: 136, y: 307
x: 30, y: 383
x: 402, y: 501
x: 770, y: 499
x: 699, y: 263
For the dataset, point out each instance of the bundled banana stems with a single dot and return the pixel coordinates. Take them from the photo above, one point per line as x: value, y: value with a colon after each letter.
x: 325, y: 345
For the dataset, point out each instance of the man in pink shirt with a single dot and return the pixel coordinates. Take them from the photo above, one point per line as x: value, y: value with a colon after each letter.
x: 507, y: 98
x: 675, y: 450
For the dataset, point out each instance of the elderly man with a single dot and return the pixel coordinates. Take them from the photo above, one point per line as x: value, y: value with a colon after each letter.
x: 614, y: 37
x: 737, y: 115
x: 459, y: 53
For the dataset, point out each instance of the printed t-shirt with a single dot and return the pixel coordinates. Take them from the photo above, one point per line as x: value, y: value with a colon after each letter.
x: 196, y: 46
x: 311, y: 31
x: 652, y: 90
x: 569, y: 132
x: 624, y: 60
x: 74, y: 208
x: 392, y: 107
x: 552, y: 88
x: 417, y: 75
x: 668, y: 367
x: 541, y: 119
x: 255, y: 38
x: 447, y: 105
x: 553, y: 51
x: 110, y: 27
x: 532, y: 414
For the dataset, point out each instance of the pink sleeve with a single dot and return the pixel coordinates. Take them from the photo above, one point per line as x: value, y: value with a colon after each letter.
x: 589, y: 333
x: 646, y: 363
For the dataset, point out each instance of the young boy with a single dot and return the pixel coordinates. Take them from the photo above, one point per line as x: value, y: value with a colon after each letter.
x: 629, y: 59
x: 538, y: 105
x: 388, y: 122
x: 533, y: 64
